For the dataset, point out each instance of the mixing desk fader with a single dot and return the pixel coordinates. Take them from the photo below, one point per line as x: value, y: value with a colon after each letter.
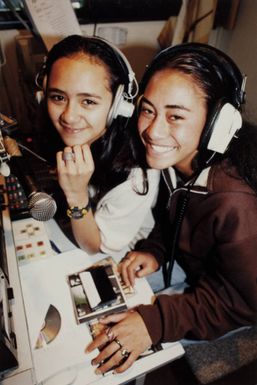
x: 17, y: 200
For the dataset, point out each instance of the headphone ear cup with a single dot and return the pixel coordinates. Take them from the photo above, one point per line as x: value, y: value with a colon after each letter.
x: 226, y: 123
x: 208, y: 129
x: 120, y: 106
x: 40, y: 94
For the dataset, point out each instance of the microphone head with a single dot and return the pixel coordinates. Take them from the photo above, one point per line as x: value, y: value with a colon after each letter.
x: 42, y: 206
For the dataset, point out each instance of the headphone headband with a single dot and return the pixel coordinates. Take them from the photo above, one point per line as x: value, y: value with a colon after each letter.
x: 215, y: 57
x: 126, y: 66
x: 123, y: 100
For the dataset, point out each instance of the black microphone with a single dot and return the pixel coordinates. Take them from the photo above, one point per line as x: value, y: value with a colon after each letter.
x: 42, y: 206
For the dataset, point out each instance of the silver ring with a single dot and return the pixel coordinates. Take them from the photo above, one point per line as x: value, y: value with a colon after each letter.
x: 68, y: 156
x: 118, y: 342
x: 125, y: 353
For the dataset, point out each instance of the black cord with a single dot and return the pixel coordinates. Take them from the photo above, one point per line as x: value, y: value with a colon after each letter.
x: 180, y: 212
x: 179, y: 216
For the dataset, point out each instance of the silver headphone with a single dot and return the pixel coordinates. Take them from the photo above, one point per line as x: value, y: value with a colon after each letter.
x: 123, y: 101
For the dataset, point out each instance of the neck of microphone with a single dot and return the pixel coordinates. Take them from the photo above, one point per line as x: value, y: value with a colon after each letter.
x: 41, y: 206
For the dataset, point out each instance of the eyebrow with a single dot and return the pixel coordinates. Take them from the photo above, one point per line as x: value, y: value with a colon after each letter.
x: 84, y: 94
x: 174, y: 106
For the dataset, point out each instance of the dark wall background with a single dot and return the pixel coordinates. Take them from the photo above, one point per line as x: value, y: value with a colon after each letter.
x: 128, y: 10
x: 107, y: 11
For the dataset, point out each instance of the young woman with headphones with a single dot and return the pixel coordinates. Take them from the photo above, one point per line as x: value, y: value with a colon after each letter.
x: 89, y: 89
x: 190, y: 123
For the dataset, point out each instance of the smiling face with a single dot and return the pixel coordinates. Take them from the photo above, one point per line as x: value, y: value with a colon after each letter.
x: 171, y: 120
x: 79, y: 99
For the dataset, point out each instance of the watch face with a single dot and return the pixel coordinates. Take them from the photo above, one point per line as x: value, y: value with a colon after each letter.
x: 77, y: 214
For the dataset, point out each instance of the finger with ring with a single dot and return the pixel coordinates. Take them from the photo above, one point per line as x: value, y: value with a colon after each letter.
x: 68, y: 156
x: 124, y: 353
x: 110, y: 335
x: 118, y: 342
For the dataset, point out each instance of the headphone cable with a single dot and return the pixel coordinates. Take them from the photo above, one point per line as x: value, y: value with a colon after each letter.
x: 179, y: 216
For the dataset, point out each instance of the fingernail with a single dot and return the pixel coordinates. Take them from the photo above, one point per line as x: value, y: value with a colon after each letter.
x: 93, y: 363
x: 97, y: 371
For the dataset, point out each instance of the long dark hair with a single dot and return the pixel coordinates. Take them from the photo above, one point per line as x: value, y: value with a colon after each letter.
x: 119, y: 149
x: 220, y: 79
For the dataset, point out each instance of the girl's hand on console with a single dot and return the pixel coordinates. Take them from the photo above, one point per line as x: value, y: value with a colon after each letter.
x: 137, y: 264
x: 123, y: 342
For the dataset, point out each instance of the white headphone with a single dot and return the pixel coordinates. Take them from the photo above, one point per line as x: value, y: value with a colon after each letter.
x: 227, y: 122
x: 123, y: 101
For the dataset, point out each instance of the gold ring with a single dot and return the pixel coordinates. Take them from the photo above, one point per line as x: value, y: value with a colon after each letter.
x: 68, y: 156
x: 118, y: 342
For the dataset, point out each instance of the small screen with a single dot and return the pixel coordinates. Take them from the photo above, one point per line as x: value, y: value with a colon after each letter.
x: 103, y: 284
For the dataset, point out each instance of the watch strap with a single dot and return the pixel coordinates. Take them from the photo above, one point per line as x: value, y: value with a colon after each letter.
x: 76, y: 212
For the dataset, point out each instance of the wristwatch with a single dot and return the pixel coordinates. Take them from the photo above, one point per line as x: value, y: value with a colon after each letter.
x: 77, y: 213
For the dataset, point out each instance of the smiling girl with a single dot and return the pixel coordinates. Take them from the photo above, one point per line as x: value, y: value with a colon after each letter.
x: 190, y: 123
x: 89, y: 86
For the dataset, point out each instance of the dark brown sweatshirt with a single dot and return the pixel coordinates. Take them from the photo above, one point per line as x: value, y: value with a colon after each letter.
x: 217, y: 248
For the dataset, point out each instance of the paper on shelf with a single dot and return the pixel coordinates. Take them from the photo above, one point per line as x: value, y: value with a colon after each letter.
x: 52, y: 20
